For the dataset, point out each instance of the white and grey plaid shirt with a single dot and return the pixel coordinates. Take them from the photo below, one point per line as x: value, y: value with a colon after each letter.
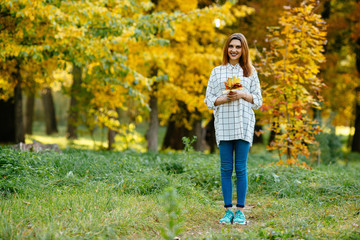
x: 236, y: 119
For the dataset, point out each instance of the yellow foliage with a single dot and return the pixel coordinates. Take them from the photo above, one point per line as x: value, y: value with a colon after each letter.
x: 181, y: 68
x: 4, y: 86
x: 127, y: 138
x: 120, y: 47
x: 194, y: 49
x: 293, y: 64
x: 180, y: 5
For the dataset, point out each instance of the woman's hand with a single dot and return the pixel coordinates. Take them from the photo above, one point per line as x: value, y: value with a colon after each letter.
x: 234, y: 95
x: 221, y: 100
x: 231, y: 96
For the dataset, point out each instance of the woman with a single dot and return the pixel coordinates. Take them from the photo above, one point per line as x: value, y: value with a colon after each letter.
x: 234, y: 119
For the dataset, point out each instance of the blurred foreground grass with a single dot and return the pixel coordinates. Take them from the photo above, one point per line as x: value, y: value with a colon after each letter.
x: 120, y: 195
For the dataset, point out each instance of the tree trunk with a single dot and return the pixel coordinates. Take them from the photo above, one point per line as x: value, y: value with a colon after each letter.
x: 355, y: 147
x: 19, y: 123
x: 210, y: 135
x: 29, y: 113
x: 49, y: 111
x: 73, y: 110
x: 7, y: 121
x: 258, y: 138
x: 111, y: 139
x: 199, y: 132
x: 272, y: 133
x: 152, y: 132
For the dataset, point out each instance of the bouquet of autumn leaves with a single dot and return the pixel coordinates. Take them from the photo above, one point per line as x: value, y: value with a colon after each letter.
x: 232, y: 84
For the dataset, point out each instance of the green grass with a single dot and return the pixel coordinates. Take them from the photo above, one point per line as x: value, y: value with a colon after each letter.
x: 83, y: 194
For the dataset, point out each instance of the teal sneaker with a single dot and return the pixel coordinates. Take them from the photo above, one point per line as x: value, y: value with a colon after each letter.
x: 228, y: 218
x: 239, y: 218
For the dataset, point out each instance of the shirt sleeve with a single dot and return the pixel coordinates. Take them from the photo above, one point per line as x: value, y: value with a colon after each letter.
x: 255, y: 90
x: 211, y: 91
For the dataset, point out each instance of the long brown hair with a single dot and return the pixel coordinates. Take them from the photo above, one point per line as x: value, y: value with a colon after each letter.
x: 244, y: 61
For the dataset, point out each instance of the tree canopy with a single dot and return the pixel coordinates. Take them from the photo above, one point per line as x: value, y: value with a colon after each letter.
x: 130, y: 51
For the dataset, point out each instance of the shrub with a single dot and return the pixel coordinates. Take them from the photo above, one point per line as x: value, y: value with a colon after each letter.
x: 330, y: 147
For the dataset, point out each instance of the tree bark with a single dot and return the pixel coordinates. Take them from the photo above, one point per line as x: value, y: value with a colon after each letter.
x: 49, y: 111
x: 152, y: 132
x: 258, y: 138
x: 272, y: 132
x: 355, y: 147
x: 210, y: 135
x: 19, y: 123
x: 73, y: 110
x: 7, y: 121
x: 198, y: 131
x: 111, y: 139
x: 29, y: 113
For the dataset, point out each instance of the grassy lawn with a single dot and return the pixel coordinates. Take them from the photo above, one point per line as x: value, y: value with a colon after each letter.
x: 85, y: 194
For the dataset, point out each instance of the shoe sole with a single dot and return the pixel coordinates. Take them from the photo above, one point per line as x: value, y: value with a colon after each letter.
x: 245, y: 223
x: 225, y: 223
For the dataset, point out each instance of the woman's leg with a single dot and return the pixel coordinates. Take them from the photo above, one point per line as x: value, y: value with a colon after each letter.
x: 241, y: 154
x: 226, y: 169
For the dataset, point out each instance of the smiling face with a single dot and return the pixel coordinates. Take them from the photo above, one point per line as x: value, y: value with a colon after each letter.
x: 234, y: 51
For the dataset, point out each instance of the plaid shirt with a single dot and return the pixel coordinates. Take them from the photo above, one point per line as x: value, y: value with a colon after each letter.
x: 236, y: 119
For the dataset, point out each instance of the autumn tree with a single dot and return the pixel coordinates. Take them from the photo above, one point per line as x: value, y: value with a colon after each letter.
x: 339, y: 71
x: 96, y: 39
x: 292, y: 66
x: 182, y: 67
x: 26, y: 37
x: 91, y: 36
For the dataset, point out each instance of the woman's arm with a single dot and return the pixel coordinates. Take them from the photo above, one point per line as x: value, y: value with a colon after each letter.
x: 221, y: 100
x: 255, y: 91
x: 212, y: 90
x: 231, y: 96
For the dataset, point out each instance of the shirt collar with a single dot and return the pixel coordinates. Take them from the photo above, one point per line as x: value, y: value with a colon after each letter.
x: 230, y: 66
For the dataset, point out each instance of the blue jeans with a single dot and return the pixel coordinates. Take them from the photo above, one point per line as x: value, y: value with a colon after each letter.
x: 227, y: 149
